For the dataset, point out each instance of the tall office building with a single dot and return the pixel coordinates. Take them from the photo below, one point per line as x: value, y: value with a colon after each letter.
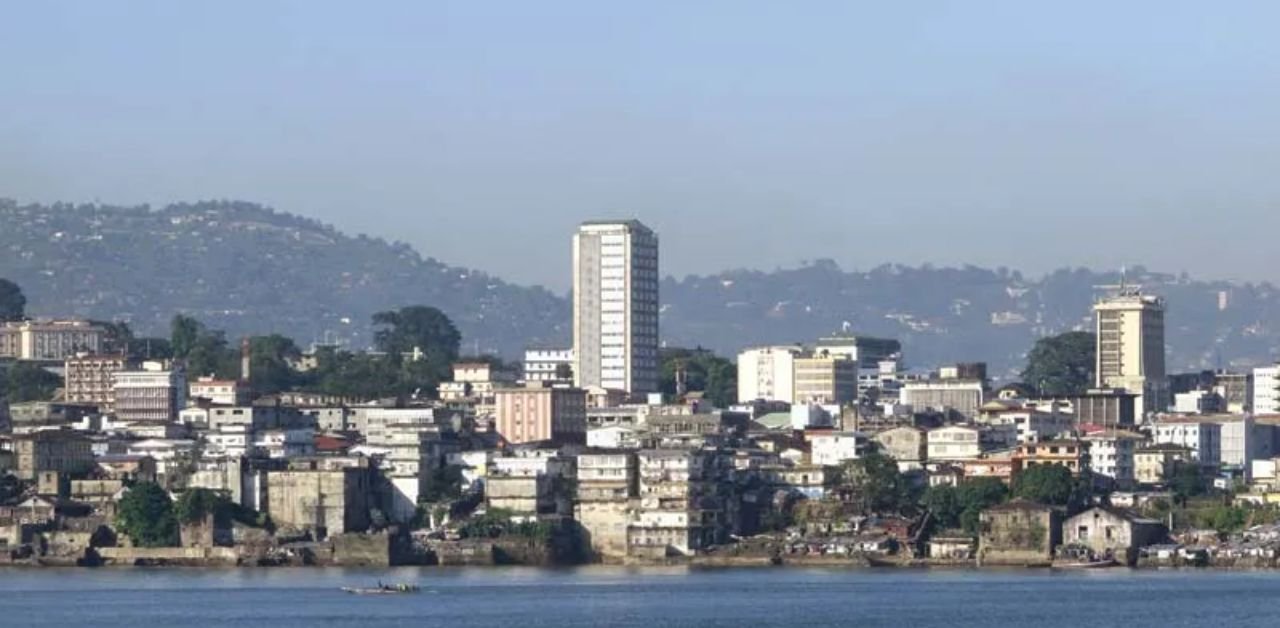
x: 1130, y: 347
x: 615, y: 306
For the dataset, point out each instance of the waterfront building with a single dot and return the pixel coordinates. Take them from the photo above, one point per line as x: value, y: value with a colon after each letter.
x: 615, y: 307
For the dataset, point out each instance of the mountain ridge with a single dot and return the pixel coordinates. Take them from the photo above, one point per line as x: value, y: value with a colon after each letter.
x: 250, y: 269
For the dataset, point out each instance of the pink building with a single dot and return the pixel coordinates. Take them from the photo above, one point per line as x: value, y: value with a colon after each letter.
x: 538, y: 413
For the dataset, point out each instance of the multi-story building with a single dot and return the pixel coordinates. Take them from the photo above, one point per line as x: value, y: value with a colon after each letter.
x: 962, y: 396
x: 1266, y: 390
x: 413, y: 444
x: 1202, y: 438
x: 766, y: 373
x: 1030, y: 422
x: 1154, y: 464
x: 537, y: 412
x: 1111, y: 454
x: 548, y: 365
x: 679, y: 511
x: 90, y: 379
x: 154, y: 394
x: 475, y: 380
x: 60, y: 451
x: 1236, y: 390
x: 227, y: 392
x: 325, y: 495
x: 1130, y: 347
x: 1072, y: 454
x: 615, y: 307
x: 967, y: 442
x: 824, y: 379
x: 608, y: 483
x: 49, y: 339
x: 835, y: 448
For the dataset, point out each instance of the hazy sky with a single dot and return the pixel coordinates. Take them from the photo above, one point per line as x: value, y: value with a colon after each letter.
x: 752, y: 134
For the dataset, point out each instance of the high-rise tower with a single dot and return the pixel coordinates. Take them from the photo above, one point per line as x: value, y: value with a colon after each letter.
x: 615, y: 306
x: 1130, y: 346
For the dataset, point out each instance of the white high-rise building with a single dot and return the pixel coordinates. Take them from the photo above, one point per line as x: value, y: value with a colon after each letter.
x: 767, y: 373
x: 615, y: 306
x: 1266, y: 390
x: 1130, y: 347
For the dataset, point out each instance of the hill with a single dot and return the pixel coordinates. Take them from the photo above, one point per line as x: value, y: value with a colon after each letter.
x: 248, y: 269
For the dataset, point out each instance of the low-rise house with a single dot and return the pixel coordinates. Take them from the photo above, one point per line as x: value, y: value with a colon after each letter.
x: 951, y: 547
x: 1154, y: 464
x: 1111, y: 455
x: 835, y: 448
x: 614, y: 437
x: 967, y: 442
x: 1003, y: 466
x: 1111, y: 532
x: 1018, y: 533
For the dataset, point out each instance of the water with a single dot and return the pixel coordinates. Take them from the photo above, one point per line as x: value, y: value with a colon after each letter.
x: 648, y: 598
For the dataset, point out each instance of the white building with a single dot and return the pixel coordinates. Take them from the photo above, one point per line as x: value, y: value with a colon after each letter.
x: 959, y: 395
x: 835, y: 448
x: 49, y: 339
x: 227, y: 392
x: 1031, y: 423
x: 1266, y: 390
x: 615, y: 307
x: 767, y: 373
x: 1111, y: 454
x: 614, y: 437
x: 1130, y: 347
x: 542, y: 365
x: 1203, y: 438
x: 156, y: 393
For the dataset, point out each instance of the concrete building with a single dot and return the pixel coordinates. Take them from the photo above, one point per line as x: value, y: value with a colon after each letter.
x: 1203, y: 438
x: 1072, y: 454
x: 679, y: 511
x: 962, y: 396
x: 615, y: 307
x: 1130, y: 347
x: 607, y: 487
x: 835, y: 448
x: 1018, y: 533
x: 49, y: 339
x: 33, y: 416
x: 824, y: 379
x: 909, y: 446
x: 1236, y: 390
x: 475, y: 380
x: 59, y: 451
x: 1111, y: 455
x: 324, y: 495
x: 154, y: 394
x: 1030, y: 422
x: 1112, y: 532
x: 537, y: 412
x: 1154, y: 464
x: 767, y: 373
x: 956, y: 442
x: 90, y: 379
x: 413, y: 443
x: 1266, y: 390
x: 548, y: 365
x: 227, y: 392
x: 1112, y: 408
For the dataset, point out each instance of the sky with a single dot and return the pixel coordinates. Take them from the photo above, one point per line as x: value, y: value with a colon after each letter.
x: 1031, y: 135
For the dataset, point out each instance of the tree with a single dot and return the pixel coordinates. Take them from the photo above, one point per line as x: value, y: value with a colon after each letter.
x: 960, y: 506
x: 876, y: 484
x: 13, y: 304
x: 269, y: 368
x: 28, y: 382
x: 145, y: 514
x: 1049, y: 484
x: 205, y: 351
x: 1061, y: 365
x: 198, y: 503
x: 442, y: 483
x: 1187, y: 481
x: 116, y: 337
x: 184, y: 333
x: 417, y: 327
x: 703, y: 371
x: 564, y: 372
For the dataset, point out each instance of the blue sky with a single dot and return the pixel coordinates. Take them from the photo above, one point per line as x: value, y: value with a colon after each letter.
x: 749, y: 134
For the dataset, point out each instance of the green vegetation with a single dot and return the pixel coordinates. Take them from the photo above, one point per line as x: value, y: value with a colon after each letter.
x: 497, y: 522
x: 1051, y: 484
x: 25, y: 381
x: 205, y: 351
x: 442, y: 484
x: 1187, y: 481
x: 960, y: 506
x: 875, y: 484
x: 704, y: 371
x: 146, y: 515
x: 1062, y: 364
x: 195, y: 505
x: 13, y: 304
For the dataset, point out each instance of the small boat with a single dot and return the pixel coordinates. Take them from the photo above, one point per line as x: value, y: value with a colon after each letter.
x: 383, y: 589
